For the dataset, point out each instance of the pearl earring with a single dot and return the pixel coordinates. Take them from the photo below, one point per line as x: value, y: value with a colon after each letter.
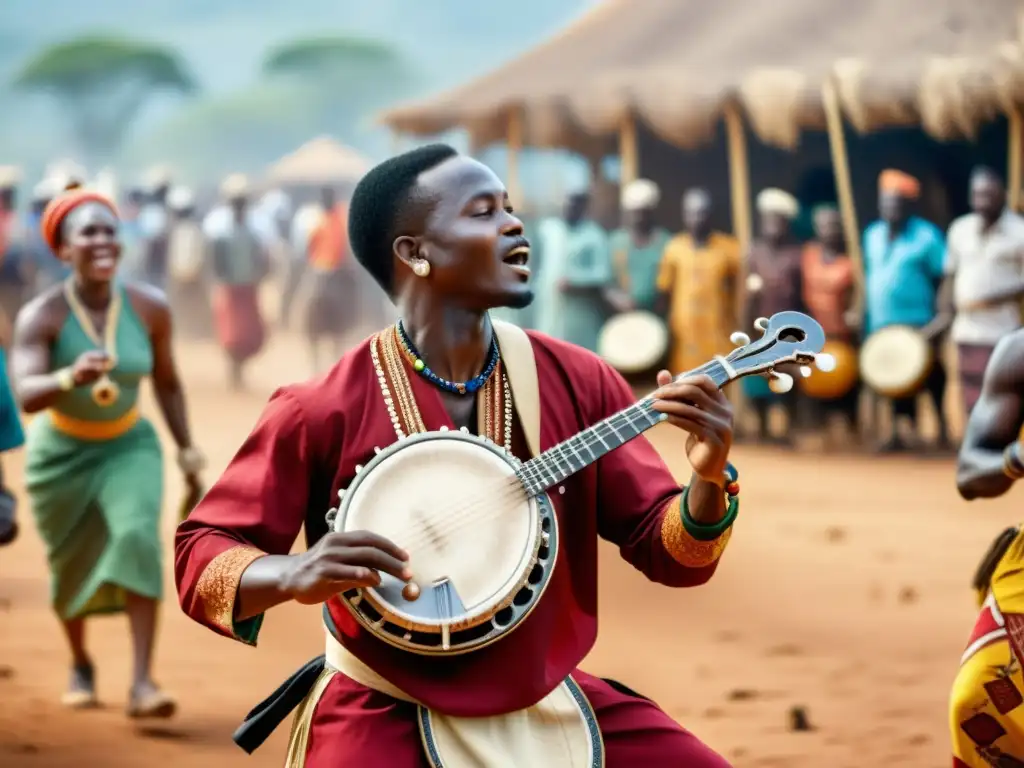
x: 421, y: 268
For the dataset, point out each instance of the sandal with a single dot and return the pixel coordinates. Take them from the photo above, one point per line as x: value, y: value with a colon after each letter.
x: 153, y: 704
x: 81, y: 693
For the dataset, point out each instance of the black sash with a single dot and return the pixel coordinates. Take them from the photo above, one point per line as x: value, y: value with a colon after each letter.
x: 272, y: 711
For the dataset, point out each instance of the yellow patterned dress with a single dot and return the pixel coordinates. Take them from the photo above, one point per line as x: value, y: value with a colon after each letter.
x: 701, y: 283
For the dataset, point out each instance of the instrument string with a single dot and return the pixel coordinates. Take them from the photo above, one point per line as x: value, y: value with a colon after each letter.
x: 528, y: 478
x: 533, y: 477
x: 537, y: 475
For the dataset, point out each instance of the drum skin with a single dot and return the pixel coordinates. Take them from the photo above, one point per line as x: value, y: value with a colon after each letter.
x: 896, y: 361
x: 835, y: 383
x: 634, y: 343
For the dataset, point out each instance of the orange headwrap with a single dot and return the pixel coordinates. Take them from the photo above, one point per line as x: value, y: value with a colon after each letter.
x: 62, y: 205
x: 895, y: 182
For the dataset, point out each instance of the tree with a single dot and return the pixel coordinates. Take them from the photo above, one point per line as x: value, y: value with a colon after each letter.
x: 102, y: 83
x: 238, y: 131
x: 356, y: 76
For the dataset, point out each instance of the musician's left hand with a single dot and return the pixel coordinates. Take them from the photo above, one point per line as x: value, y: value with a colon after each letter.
x: 696, y: 405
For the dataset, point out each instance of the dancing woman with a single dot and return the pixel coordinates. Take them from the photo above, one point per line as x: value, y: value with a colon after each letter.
x: 94, y: 469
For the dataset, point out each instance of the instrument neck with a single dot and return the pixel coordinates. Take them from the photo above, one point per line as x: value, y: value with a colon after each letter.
x: 584, y: 448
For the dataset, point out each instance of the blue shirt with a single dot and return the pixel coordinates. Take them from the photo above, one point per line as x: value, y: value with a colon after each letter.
x: 902, y: 274
x: 11, y: 434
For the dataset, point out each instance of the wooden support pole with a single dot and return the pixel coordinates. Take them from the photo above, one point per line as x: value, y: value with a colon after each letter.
x: 739, y: 177
x: 514, y: 144
x: 844, y: 188
x: 629, y: 152
x: 742, y: 228
x: 1013, y: 160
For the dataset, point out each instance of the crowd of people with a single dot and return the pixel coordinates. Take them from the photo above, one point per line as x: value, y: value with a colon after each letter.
x: 212, y: 263
x: 435, y: 230
x: 966, y: 284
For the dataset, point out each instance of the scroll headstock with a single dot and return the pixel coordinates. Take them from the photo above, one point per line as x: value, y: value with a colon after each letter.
x: 788, y: 338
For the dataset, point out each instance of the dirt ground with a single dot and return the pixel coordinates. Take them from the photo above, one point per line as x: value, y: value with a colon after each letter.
x: 844, y: 591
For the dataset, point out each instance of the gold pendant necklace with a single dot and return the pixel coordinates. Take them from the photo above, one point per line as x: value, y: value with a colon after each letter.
x: 105, y: 392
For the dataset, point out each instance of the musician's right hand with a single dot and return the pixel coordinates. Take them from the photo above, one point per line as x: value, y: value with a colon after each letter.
x: 89, y: 366
x: 340, y: 562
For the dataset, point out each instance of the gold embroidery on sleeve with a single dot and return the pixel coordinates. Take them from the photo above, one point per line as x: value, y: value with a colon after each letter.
x: 218, y: 584
x: 685, y: 549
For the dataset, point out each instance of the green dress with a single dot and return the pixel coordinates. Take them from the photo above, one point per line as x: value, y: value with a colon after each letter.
x: 97, y: 502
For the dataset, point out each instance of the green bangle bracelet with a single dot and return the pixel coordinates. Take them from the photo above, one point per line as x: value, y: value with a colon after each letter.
x: 700, y: 531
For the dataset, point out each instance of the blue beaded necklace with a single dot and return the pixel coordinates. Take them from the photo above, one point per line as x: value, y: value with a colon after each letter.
x: 456, y: 388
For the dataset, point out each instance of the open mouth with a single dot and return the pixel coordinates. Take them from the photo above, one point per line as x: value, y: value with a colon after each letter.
x: 518, y: 257
x: 104, y: 258
x: 517, y: 260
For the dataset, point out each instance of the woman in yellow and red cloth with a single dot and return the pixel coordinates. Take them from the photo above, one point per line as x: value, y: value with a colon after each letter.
x: 987, y: 700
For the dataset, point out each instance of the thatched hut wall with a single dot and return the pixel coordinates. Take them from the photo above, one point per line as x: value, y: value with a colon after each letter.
x: 943, y: 168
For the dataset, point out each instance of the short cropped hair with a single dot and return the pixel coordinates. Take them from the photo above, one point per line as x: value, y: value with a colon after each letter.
x: 380, y: 206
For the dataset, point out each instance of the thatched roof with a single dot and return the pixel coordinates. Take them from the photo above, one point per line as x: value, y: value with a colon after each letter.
x: 946, y: 64
x: 320, y: 161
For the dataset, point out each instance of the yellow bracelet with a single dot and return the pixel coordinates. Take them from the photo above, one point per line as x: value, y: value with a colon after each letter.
x: 65, y: 379
x: 1012, y: 467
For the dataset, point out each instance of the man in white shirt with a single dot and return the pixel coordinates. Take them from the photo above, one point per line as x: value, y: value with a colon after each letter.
x: 984, y: 278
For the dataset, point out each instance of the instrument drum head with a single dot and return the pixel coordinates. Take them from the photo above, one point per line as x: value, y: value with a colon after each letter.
x: 454, y: 503
x: 895, y: 361
x: 633, y: 342
x: 837, y: 382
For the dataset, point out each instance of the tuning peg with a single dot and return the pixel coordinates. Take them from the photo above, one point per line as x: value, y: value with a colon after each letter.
x: 825, y: 362
x: 780, y: 383
x: 805, y: 371
x: 739, y: 339
x: 761, y: 324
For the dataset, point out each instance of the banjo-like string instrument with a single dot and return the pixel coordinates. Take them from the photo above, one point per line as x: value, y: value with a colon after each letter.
x: 477, y: 522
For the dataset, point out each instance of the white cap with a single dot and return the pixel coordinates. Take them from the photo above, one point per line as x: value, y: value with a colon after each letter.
x: 180, y: 199
x: 234, y: 186
x: 156, y: 177
x: 774, y: 200
x: 65, y: 173
x: 46, y: 189
x: 640, y: 195
x: 10, y: 176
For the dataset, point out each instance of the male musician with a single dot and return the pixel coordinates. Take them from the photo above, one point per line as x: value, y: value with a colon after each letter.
x: 638, y: 245
x: 435, y: 229
x: 987, y: 700
x: 828, y: 294
x: 773, y: 285
x: 985, y: 283
x: 904, y: 263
